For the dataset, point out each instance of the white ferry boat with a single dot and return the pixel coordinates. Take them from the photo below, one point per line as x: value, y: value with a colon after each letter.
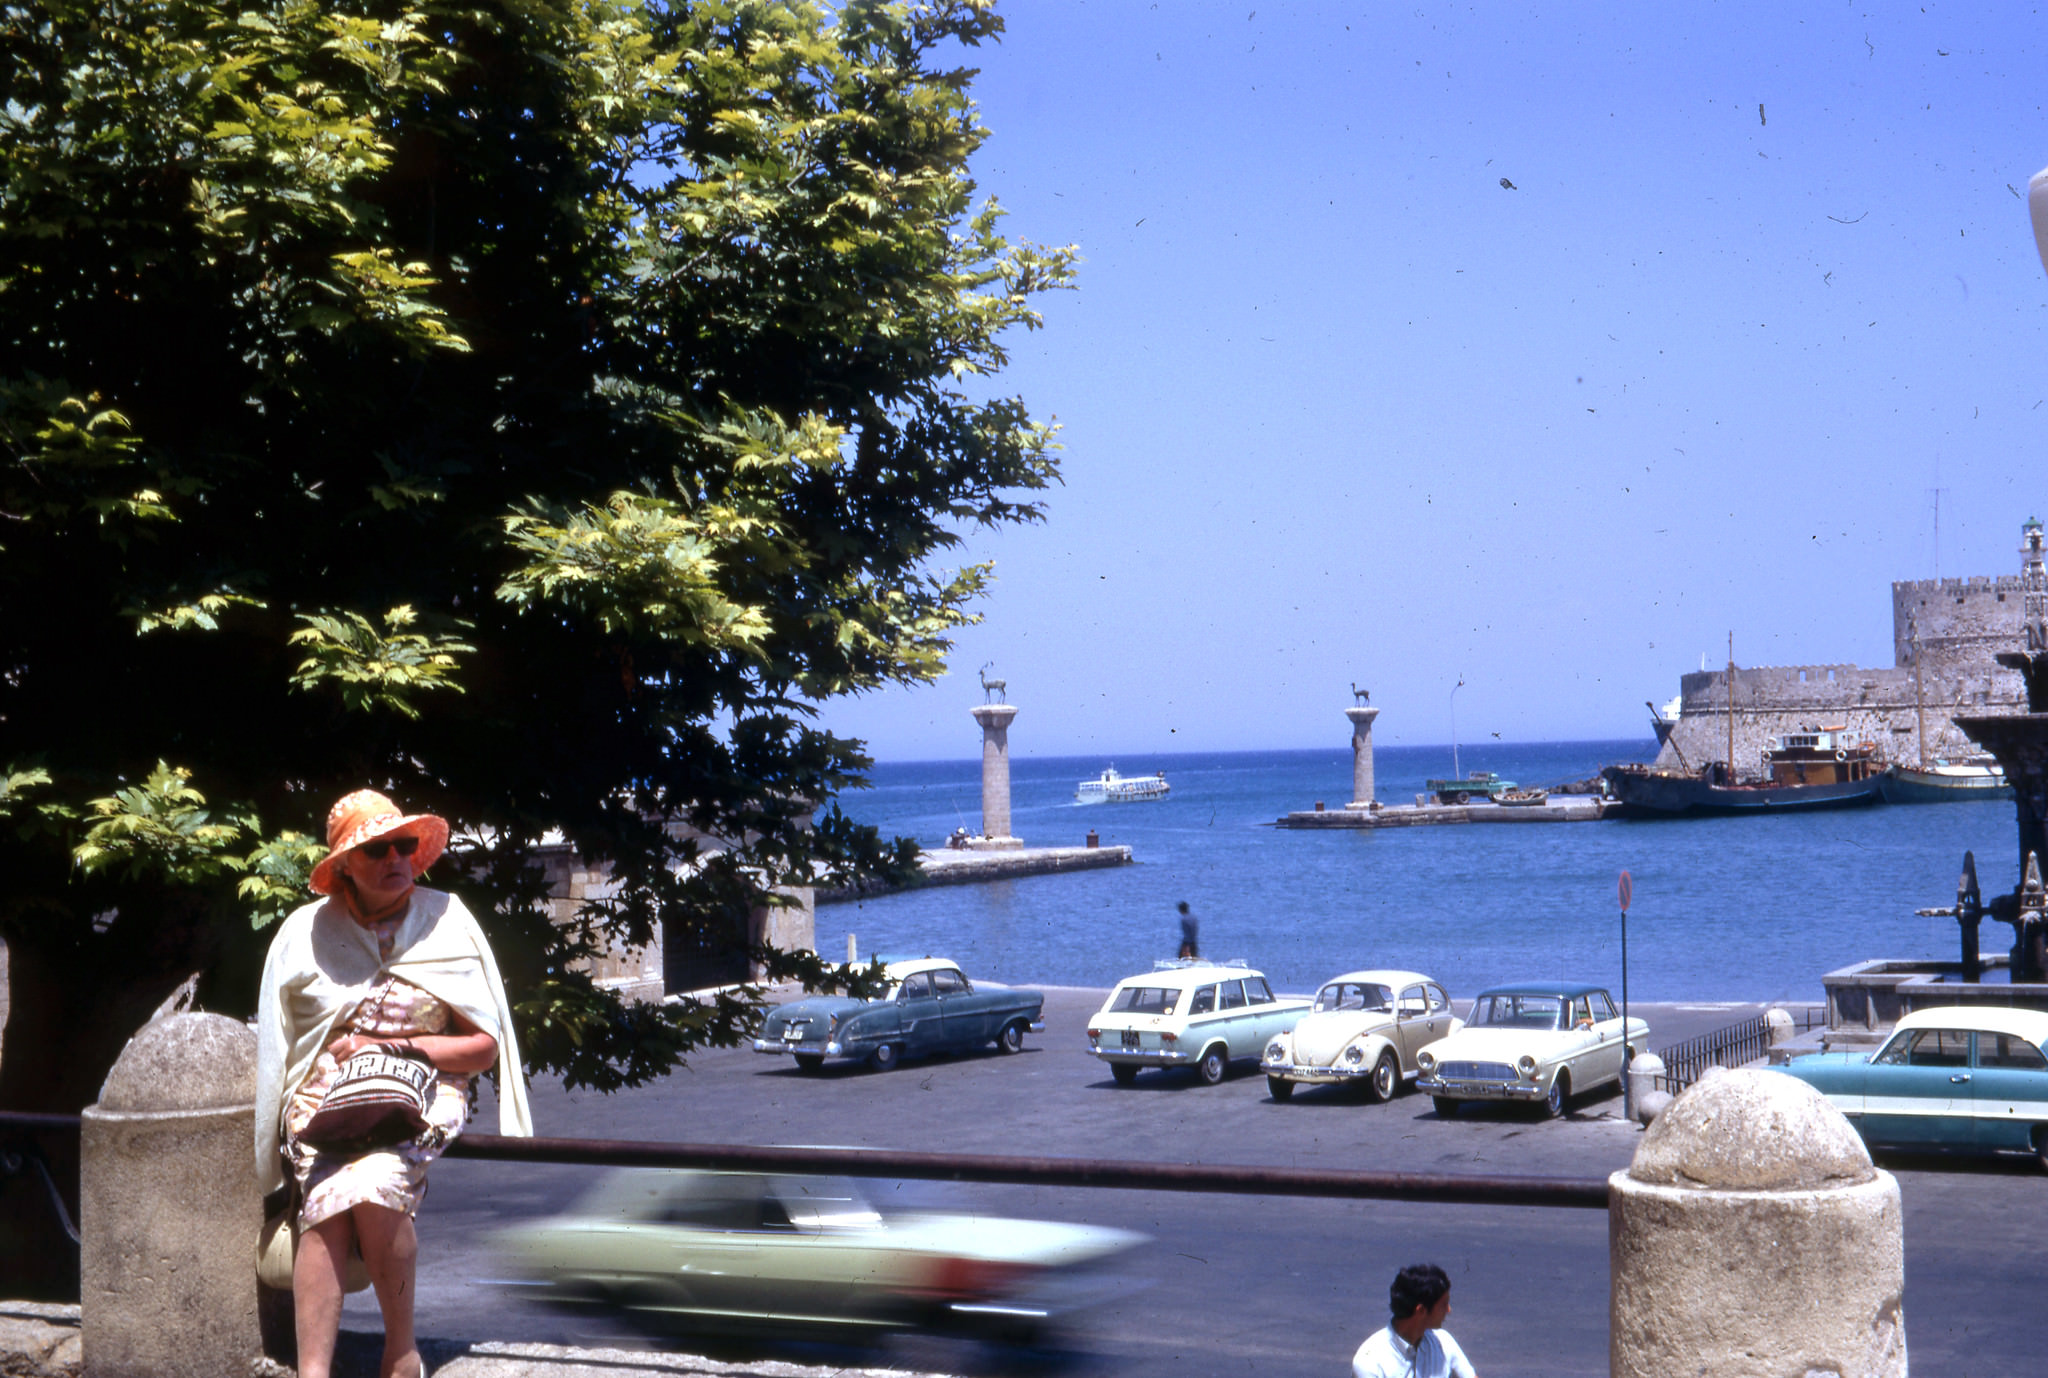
x: 1112, y: 788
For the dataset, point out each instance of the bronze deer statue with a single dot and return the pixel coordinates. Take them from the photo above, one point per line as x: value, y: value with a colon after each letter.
x: 994, y: 690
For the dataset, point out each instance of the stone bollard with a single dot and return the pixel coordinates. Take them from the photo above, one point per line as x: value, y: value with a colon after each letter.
x: 1778, y: 1022
x: 168, y: 1208
x: 1643, y: 1071
x: 1752, y: 1235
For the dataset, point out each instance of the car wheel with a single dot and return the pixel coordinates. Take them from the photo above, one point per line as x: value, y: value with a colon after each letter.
x: 1011, y: 1039
x: 885, y: 1057
x: 1460, y: 797
x: 1212, y: 1066
x: 1279, y: 1088
x: 1560, y: 1092
x: 1385, y: 1080
x: 1446, y: 1107
x: 2041, y: 1144
x: 809, y: 1062
x: 1124, y: 1073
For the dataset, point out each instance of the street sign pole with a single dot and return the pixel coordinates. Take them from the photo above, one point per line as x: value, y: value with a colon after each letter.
x: 1626, y: 889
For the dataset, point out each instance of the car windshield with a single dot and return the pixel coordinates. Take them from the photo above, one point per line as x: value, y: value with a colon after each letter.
x: 1145, y: 999
x: 1518, y: 1012
x: 1354, y: 995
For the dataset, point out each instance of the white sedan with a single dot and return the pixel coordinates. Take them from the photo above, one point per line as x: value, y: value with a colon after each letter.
x: 1536, y: 1043
x: 1365, y: 1029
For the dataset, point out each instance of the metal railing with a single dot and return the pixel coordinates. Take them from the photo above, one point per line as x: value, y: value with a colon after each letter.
x: 1734, y: 1046
x: 1586, y: 1193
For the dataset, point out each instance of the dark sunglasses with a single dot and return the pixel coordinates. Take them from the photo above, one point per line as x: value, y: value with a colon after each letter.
x: 384, y: 846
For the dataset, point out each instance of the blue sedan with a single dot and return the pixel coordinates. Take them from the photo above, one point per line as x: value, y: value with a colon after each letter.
x: 1955, y: 1078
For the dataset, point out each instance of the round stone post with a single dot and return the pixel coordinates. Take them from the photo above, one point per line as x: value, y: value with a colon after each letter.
x: 995, y: 774
x: 1361, y: 755
x: 168, y: 1207
x: 1752, y: 1235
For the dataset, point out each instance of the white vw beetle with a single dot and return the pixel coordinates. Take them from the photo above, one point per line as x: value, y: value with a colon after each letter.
x: 1365, y: 1027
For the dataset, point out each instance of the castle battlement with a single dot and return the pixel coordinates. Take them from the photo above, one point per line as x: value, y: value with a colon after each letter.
x: 1975, y: 583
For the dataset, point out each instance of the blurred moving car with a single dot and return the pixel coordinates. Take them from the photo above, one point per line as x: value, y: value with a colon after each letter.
x: 758, y: 1253
x: 1951, y: 1079
x: 1541, y: 1042
x: 929, y: 1006
x: 1364, y: 1028
x: 1188, y: 1013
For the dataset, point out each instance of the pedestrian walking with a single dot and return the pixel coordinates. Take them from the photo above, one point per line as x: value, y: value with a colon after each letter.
x: 1190, y: 928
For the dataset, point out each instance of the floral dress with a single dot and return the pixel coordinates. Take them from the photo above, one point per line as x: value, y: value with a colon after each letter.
x: 330, y: 1182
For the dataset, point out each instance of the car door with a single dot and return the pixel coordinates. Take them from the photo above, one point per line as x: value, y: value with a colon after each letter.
x: 1918, y: 1092
x: 963, y: 1015
x: 1201, y: 1024
x: 1412, y: 1022
x: 1266, y: 1020
x: 1609, y: 1039
x: 923, y: 1022
x: 1238, y: 1019
x: 2008, y: 1091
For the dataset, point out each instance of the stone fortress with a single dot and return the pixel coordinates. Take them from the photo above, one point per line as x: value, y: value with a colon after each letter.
x: 1945, y: 633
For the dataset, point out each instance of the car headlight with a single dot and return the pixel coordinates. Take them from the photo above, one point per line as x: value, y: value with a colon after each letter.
x: 1526, y: 1065
x: 1354, y: 1054
x: 1426, y: 1062
x: 1276, y: 1051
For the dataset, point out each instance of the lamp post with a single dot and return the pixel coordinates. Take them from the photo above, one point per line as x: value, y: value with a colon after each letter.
x: 1456, y: 773
x: 1626, y: 889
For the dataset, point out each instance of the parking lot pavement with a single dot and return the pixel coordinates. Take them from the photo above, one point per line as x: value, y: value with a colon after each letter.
x: 1231, y: 1283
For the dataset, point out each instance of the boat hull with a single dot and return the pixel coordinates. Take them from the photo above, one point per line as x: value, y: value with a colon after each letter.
x: 1653, y: 794
x: 1904, y: 785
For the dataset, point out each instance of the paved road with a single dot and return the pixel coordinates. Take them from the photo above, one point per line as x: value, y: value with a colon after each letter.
x: 1237, y: 1284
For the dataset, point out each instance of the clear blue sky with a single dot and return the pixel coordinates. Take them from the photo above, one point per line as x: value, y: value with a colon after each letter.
x: 1338, y: 405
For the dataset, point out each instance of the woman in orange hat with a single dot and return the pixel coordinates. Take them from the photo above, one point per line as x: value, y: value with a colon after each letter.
x: 381, y: 961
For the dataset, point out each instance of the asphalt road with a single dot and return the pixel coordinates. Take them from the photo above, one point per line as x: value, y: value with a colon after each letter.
x: 1232, y: 1284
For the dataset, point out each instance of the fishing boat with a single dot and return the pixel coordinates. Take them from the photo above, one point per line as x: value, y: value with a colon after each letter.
x: 1481, y: 784
x: 1820, y: 768
x: 1944, y: 782
x: 1522, y: 798
x: 1112, y: 788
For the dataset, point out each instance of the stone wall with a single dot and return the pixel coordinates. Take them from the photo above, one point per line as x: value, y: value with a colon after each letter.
x: 1953, y: 628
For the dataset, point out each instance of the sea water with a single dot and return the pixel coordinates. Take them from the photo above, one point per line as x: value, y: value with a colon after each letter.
x: 1723, y: 909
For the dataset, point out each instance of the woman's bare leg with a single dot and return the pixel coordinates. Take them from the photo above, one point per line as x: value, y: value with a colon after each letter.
x: 391, y: 1251
x: 319, y: 1278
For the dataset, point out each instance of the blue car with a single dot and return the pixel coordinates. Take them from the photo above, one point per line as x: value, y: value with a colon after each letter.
x: 927, y: 1006
x: 1952, y: 1079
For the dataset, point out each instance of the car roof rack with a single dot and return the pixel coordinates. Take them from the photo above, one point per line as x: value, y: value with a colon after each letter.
x: 1181, y: 963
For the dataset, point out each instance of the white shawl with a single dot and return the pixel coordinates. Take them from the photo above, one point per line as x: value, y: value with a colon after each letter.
x: 321, y: 965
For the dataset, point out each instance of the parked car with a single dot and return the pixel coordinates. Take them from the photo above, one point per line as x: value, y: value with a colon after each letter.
x: 758, y: 1253
x: 929, y: 1006
x: 1363, y: 1029
x: 1953, y: 1078
x: 1540, y: 1043
x: 1188, y: 1013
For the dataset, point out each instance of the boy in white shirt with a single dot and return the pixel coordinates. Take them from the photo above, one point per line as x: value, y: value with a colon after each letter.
x: 1414, y: 1344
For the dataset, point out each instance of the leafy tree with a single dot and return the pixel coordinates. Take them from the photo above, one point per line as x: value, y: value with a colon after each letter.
x: 533, y: 408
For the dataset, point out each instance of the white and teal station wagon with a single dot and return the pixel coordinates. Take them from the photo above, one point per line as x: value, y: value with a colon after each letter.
x: 1954, y: 1078
x: 1203, y: 1015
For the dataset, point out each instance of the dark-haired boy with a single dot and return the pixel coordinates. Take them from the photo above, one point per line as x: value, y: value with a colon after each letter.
x: 1414, y: 1344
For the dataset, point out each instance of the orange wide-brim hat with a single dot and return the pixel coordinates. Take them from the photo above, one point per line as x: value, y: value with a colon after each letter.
x: 366, y: 816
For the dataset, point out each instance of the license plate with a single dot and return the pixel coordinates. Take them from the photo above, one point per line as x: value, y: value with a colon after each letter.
x: 792, y: 1035
x: 1130, y: 1038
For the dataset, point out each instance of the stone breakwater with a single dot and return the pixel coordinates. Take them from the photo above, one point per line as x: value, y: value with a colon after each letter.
x: 971, y: 867
x: 1556, y: 809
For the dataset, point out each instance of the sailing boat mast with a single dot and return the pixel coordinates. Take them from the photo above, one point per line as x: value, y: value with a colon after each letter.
x: 1731, y: 707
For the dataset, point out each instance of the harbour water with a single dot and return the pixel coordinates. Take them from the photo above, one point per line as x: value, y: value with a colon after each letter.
x: 1724, y: 908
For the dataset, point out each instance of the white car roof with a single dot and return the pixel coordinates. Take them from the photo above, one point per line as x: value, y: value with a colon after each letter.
x: 1395, y: 979
x: 1184, y: 978
x: 898, y: 970
x: 2031, y: 1025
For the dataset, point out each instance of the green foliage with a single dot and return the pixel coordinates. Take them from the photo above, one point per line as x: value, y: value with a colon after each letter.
x: 636, y: 358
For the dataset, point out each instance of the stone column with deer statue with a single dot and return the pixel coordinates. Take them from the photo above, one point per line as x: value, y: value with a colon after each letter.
x: 1361, y: 716
x: 995, y: 768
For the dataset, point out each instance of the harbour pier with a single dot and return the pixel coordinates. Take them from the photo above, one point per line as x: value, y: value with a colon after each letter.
x: 1564, y: 808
